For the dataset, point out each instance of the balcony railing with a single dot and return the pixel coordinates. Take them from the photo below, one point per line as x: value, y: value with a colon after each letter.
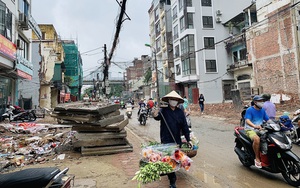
x: 34, y: 26
x: 238, y: 65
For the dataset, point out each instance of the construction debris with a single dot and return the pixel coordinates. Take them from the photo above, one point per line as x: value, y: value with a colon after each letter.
x: 100, y: 127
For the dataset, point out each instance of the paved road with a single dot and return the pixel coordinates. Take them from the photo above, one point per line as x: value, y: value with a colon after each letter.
x: 216, y: 164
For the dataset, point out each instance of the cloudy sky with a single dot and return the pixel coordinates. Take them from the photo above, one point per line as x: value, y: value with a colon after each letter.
x: 92, y: 23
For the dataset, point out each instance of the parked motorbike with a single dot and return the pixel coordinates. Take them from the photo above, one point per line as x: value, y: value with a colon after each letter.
x: 279, y: 157
x: 143, y: 116
x: 15, y: 113
x: 48, y: 177
x: 129, y: 110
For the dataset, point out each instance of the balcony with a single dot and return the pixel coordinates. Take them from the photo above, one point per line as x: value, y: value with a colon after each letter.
x: 237, y: 39
x: 239, y: 65
x: 34, y: 26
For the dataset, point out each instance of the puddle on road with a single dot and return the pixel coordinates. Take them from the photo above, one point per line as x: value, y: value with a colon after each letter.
x: 209, y: 180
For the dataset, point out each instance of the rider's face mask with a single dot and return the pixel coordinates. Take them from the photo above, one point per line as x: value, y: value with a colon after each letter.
x: 173, y: 102
x: 259, y: 104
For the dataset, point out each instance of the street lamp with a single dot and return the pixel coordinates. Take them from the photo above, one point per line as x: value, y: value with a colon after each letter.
x: 156, y: 73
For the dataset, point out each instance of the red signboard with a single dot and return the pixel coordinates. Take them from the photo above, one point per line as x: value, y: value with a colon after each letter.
x: 24, y: 75
x: 7, y: 48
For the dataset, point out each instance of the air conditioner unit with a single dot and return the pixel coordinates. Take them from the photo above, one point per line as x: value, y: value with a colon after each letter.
x: 218, y: 20
x: 23, y: 21
x: 20, y: 44
x: 218, y: 12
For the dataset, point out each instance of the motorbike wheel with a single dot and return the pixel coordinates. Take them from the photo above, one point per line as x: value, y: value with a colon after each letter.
x: 246, y: 161
x: 292, y: 176
x: 143, y: 120
x: 31, y: 117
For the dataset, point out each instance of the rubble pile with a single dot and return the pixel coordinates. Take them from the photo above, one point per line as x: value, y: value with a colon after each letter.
x: 29, y: 143
x: 99, y: 127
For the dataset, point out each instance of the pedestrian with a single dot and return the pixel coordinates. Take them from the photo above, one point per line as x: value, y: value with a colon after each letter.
x: 185, y: 103
x: 269, y: 107
x: 172, y: 124
x: 201, y: 102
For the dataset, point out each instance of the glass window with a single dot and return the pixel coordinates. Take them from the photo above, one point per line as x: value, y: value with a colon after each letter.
x: 176, y: 51
x: 178, y: 70
x: 190, y: 22
x: 189, y: 66
x: 243, y: 54
x: 180, y: 3
x: 156, y: 15
x: 206, y: 3
x: 189, y: 3
x: 187, y: 44
x: 157, y: 29
x: 174, y: 12
x: 211, y: 65
x: 182, y: 25
x: 209, y: 42
x: 176, y: 32
x: 207, y: 21
x: 2, y: 18
x: 235, y: 56
x: 158, y: 45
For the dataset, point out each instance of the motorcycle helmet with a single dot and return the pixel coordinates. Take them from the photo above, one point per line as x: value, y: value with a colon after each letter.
x: 266, y: 96
x: 258, y: 98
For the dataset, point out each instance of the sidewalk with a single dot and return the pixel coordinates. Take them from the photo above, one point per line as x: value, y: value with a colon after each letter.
x: 129, y: 164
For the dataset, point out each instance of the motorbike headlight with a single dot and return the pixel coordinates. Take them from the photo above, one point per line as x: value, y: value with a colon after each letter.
x: 283, y: 145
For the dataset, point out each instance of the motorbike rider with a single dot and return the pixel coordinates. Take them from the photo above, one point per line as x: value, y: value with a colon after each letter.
x: 142, y: 104
x: 150, y: 105
x: 254, y: 117
x: 269, y: 107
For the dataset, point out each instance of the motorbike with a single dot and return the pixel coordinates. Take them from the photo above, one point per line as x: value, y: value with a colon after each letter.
x: 150, y: 112
x: 279, y: 157
x: 290, y: 128
x: 47, y: 177
x: 16, y: 113
x: 129, y: 108
x: 143, y: 116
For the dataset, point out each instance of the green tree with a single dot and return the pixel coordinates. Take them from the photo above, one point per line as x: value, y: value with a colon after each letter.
x: 68, y: 80
x: 148, y: 76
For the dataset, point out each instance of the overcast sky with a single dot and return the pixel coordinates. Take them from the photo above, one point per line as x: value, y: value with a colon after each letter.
x: 93, y: 23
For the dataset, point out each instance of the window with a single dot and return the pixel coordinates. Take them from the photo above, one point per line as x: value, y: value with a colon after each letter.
x: 243, y: 54
x: 174, y: 12
x: 209, y: 42
x: 176, y: 54
x: 5, y: 21
x: 189, y: 3
x: 175, y: 32
x: 180, y: 3
x: 178, y: 70
x: 211, y: 65
x: 182, y: 26
x: 24, y: 7
x: 158, y: 45
x: 207, y: 21
x: 235, y: 56
x: 190, y: 22
x: 156, y: 15
x: 187, y: 45
x: 206, y: 3
x: 157, y: 29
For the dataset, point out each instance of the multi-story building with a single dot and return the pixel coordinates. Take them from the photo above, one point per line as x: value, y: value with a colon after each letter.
x: 161, y: 46
x: 16, y: 67
x: 236, y: 47
x: 73, y: 65
x: 199, y: 49
x: 49, y: 55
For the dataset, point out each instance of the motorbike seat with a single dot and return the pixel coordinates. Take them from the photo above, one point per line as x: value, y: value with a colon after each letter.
x: 244, y: 135
x: 28, y: 178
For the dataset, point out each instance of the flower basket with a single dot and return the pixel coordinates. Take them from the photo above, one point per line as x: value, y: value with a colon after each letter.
x: 189, y: 152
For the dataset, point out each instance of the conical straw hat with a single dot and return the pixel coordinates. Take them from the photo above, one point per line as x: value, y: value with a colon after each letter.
x: 172, y: 94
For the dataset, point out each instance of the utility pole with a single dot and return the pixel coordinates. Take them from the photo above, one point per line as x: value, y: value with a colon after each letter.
x: 105, y: 71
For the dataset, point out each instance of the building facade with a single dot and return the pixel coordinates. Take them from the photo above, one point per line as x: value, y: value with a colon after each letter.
x: 16, y: 67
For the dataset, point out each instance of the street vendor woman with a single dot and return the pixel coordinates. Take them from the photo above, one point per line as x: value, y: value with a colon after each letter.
x: 172, y: 124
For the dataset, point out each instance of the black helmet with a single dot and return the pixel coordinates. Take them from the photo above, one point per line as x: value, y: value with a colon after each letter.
x: 266, y: 96
x: 258, y: 98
